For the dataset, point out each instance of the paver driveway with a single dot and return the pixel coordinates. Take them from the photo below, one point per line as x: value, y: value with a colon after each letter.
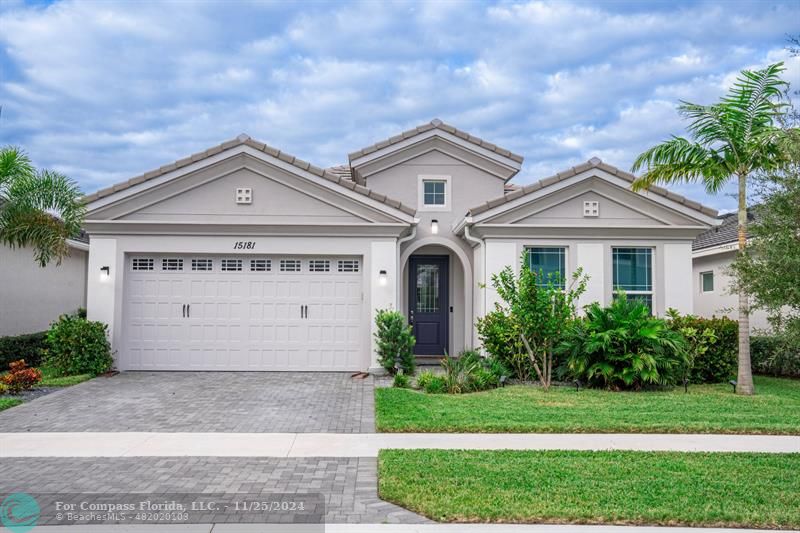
x: 240, y: 402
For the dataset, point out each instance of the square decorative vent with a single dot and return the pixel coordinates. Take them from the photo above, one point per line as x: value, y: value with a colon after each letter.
x: 591, y: 209
x: 244, y: 195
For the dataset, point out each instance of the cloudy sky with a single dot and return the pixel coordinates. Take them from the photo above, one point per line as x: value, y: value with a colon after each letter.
x: 106, y: 90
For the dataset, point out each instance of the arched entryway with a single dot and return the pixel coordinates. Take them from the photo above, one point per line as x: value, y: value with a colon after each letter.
x: 447, y: 309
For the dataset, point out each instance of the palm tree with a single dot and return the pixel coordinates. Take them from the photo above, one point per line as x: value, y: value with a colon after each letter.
x: 38, y: 208
x: 730, y: 140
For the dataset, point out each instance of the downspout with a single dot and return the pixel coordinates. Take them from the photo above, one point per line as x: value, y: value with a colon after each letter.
x: 399, y: 282
x: 481, y: 291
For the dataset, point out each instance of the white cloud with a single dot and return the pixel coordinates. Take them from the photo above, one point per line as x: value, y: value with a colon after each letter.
x: 106, y: 91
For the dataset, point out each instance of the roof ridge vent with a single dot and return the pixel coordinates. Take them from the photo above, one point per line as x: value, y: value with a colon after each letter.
x: 436, y: 122
x: 242, y: 137
x: 595, y: 161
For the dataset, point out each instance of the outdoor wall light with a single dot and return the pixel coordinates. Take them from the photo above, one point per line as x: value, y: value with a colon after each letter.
x: 105, y: 273
x: 382, y: 279
x: 434, y: 226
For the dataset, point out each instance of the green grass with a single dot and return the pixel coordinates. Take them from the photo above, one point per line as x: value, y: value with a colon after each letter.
x: 6, y: 403
x: 50, y: 378
x: 775, y: 409
x: 664, y: 488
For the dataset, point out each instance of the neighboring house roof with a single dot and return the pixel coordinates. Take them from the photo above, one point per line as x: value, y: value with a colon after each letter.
x: 594, y: 162
x: 245, y: 139
x: 727, y: 232
x: 436, y: 124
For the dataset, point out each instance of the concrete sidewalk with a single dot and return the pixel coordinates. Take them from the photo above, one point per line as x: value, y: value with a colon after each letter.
x: 383, y: 528
x: 91, y: 444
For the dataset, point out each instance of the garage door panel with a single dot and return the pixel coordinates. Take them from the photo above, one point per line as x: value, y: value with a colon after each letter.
x: 246, y: 313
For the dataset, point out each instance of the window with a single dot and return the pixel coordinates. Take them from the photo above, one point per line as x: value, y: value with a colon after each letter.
x: 172, y: 264
x: 551, y: 262
x: 348, y: 265
x: 260, y: 265
x: 434, y: 192
x: 202, y: 265
x: 633, y: 273
x: 231, y: 265
x: 319, y: 265
x: 707, y: 281
x: 142, y: 263
x: 290, y: 265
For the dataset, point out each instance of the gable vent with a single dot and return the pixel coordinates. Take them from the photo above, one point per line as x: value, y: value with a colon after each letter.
x: 244, y: 195
x: 591, y: 208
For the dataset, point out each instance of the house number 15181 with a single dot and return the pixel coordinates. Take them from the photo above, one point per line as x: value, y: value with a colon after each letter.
x: 244, y: 245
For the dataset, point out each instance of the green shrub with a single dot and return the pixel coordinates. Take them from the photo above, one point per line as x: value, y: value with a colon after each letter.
x: 400, y: 381
x: 423, y: 378
x: 77, y: 346
x: 775, y: 355
x: 395, y: 342
x: 719, y: 362
x: 623, y: 347
x: 29, y: 347
x: 435, y: 385
x: 500, y: 338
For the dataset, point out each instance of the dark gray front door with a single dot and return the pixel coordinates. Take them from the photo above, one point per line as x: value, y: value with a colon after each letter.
x: 429, y: 303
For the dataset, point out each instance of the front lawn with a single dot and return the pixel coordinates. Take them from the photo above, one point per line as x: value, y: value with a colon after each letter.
x: 775, y: 409
x: 6, y: 403
x: 664, y: 488
x: 50, y: 378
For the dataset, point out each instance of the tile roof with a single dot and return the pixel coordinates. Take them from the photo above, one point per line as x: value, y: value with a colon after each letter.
x: 727, y: 232
x: 594, y: 162
x: 439, y: 125
x: 245, y: 139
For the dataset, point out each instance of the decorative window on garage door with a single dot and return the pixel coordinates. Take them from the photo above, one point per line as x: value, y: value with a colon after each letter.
x: 202, y: 265
x: 260, y: 265
x: 142, y: 263
x: 231, y: 265
x: 348, y: 265
x: 172, y: 263
x: 319, y: 265
x: 290, y: 265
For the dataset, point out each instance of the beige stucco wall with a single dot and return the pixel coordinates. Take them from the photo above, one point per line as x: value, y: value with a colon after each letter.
x: 31, y: 297
x: 721, y: 301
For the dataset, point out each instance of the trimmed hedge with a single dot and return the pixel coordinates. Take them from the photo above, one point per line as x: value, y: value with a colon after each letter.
x: 721, y: 360
x: 29, y: 347
x: 775, y: 356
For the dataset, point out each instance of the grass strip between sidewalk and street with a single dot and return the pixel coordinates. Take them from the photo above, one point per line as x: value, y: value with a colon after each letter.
x: 775, y: 409
x: 756, y: 490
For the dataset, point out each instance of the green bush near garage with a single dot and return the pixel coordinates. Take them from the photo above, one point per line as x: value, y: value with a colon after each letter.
x: 719, y: 361
x: 78, y: 346
x: 776, y: 355
x: 30, y: 347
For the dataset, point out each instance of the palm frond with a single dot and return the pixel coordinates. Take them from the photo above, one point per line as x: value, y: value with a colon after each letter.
x: 14, y: 164
x: 680, y: 160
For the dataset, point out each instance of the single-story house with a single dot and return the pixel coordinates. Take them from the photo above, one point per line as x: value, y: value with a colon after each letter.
x: 31, y: 297
x: 713, y: 251
x: 243, y: 257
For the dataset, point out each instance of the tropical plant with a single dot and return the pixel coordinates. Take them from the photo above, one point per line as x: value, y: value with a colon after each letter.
x: 78, y: 346
x: 540, y: 312
x: 395, y: 342
x: 20, y: 377
x: 731, y: 139
x: 38, y: 208
x: 712, y: 346
x: 500, y: 337
x: 623, y: 346
x: 400, y: 381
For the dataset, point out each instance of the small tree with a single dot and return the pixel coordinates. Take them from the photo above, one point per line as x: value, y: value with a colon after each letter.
x: 395, y: 342
x: 541, y: 309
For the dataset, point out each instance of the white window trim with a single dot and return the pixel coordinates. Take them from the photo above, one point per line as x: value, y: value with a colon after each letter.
x: 448, y: 193
x: 713, y: 281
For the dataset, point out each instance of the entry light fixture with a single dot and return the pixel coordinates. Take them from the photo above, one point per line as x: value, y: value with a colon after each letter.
x: 434, y: 226
x: 382, y: 280
x: 105, y: 273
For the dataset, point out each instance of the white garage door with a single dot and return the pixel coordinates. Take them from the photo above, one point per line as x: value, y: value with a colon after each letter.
x: 243, y: 313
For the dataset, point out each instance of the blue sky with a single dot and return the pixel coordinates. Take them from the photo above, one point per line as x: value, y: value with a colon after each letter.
x: 106, y: 90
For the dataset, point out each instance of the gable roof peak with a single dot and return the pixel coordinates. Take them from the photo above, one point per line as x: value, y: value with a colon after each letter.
x: 436, y: 122
x: 595, y: 161
x: 242, y: 137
